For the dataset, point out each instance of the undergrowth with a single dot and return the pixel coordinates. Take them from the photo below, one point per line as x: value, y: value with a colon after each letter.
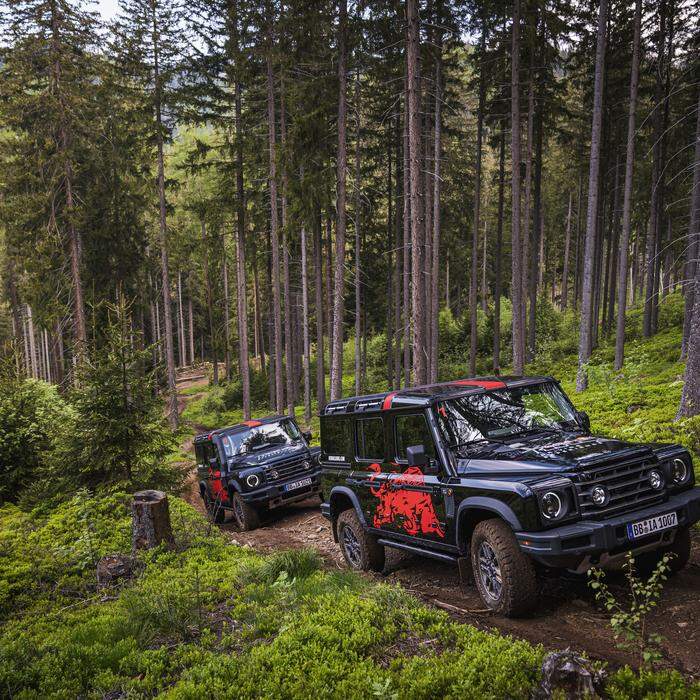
x: 213, y: 619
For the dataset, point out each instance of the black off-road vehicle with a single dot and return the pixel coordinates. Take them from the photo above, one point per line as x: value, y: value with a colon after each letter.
x: 503, y: 477
x: 254, y: 466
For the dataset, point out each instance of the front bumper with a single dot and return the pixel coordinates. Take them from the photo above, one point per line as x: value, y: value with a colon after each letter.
x: 564, y: 546
x: 275, y: 495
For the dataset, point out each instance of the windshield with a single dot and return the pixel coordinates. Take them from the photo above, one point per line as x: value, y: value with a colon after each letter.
x: 501, y: 414
x: 284, y: 432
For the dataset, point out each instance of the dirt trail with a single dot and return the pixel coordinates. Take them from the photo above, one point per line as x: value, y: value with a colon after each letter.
x: 566, y: 617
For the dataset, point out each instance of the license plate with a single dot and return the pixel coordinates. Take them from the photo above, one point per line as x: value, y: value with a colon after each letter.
x: 294, y: 485
x: 651, y: 525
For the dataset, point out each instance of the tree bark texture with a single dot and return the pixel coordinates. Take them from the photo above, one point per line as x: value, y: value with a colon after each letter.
x: 150, y: 520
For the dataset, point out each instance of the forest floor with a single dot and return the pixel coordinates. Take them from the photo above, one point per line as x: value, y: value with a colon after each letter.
x: 567, y: 615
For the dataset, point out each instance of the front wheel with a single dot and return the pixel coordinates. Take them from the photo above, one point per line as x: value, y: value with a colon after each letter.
x: 360, y: 549
x: 504, y: 576
x: 245, y: 517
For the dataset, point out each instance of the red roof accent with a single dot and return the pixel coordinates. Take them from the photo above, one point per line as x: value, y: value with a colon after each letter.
x: 387, y: 401
x: 483, y: 383
x: 251, y: 423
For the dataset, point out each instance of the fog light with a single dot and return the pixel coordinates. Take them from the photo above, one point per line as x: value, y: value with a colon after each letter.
x: 656, y: 481
x: 599, y: 496
x: 252, y: 480
x: 679, y: 471
x: 551, y: 505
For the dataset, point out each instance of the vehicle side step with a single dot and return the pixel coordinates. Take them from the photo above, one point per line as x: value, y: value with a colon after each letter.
x: 440, y: 556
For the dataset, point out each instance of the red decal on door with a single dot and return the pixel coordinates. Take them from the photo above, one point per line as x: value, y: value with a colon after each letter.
x: 411, y: 510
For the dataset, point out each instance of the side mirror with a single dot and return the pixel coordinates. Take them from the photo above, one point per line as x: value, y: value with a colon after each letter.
x: 307, y: 435
x: 585, y: 421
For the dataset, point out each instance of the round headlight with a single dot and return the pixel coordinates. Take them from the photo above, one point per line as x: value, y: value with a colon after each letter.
x: 252, y: 480
x: 656, y: 480
x: 552, y: 506
x: 599, y: 495
x: 679, y: 471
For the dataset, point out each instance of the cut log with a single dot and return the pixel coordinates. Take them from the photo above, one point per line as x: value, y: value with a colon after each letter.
x: 150, y: 520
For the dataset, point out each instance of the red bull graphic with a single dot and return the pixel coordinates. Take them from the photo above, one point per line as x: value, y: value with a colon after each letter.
x: 413, y: 511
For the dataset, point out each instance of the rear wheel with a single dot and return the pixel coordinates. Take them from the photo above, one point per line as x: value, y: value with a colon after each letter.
x: 359, y: 547
x: 504, y: 576
x: 215, y: 510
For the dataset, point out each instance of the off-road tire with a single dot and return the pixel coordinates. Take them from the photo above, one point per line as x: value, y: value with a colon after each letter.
x: 245, y: 516
x: 680, y: 548
x: 367, y: 554
x: 215, y: 510
x: 518, y: 591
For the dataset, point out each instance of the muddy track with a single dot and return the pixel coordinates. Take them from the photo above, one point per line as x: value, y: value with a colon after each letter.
x: 566, y: 617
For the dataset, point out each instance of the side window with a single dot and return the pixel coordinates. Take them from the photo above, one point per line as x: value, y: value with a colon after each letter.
x: 370, y: 439
x: 336, y: 439
x: 413, y: 430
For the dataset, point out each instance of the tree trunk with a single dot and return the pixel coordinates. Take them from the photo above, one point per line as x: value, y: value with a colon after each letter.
x: 693, y: 243
x: 210, y: 305
x: 516, y: 246
x: 358, y: 251
x: 567, y: 250
x: 585, y: 334
x: 499, y: 252
x: 341, y: 213
x: 305, y: 327
x: 150, y: 521
x: 318, y: 305
x: 474, y: 277
x: 181, y: 322
x: 173, y: 417
x: 227, y: 318
x: 190, y: 313
x: 437, y: 219
x: 274, y: 235
x: 414, y: 147
x: 406, y: 280
x: 537, y: 239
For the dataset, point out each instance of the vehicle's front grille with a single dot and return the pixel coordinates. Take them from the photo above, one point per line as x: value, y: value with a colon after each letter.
x: 287, y: 468
x: 627, y: 484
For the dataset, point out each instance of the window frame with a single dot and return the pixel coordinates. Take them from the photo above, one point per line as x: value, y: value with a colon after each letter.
x: 369, y: 460
x: 349, y: 454
x: 395, y: 435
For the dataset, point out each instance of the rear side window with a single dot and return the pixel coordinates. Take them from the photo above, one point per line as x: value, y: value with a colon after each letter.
x: 336, y: 439
x: 370, y: 439
x: 413, y: 430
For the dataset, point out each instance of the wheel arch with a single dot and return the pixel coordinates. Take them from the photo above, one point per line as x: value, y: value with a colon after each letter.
x: 342, y: 498
x: 476, y: 509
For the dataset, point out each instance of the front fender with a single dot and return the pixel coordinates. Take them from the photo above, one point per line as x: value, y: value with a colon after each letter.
x: 473, y: 504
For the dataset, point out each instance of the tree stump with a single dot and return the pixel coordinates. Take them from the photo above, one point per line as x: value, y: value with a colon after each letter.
x: 150, y: 520
x: 113, y: 567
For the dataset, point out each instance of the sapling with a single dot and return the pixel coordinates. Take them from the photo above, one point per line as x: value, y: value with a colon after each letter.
x: 630, y: 622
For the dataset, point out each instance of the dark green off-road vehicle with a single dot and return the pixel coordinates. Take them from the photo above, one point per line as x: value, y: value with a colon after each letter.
x: 503, y: 477
x: 255, y: 466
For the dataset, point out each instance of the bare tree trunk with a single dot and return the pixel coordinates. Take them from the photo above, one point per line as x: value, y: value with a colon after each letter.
x: 358, y: 251
x: 329, y: 293
x: 585, y: 335
x: 210, y: 305
x: 318, y: 304
x: 527, y: 232
x: 341, y: 220
x: 474, y: 277
x: 417, y: 232
x: 406, y: 249
x: 274, y: 234
x: 173, y: 417
x: 499, y: 252
x: 437, y: 221
x: 305, y: 327
x: 190, y: 313
x: 567, y: 250
x: 537, y: 239
x: 398, y: 268
x: 181, y: 322
x: 516, y: 248
x: 484, y: 260
x: 690, y: 398
x: 227, y: 318
x: 693, y: 242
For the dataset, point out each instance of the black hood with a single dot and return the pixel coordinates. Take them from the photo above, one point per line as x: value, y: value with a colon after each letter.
x: 547, y: 452
x: 271, y: 455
